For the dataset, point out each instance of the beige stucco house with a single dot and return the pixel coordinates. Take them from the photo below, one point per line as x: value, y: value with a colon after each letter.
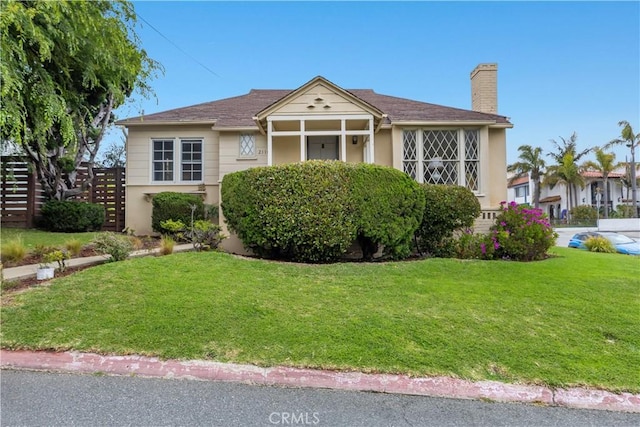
x: 191, y: 149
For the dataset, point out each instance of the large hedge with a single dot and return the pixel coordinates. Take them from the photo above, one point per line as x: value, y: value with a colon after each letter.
x: 447, y: 208
x: 313, y: 211
x: 70, y: 217
x: 177, y: 207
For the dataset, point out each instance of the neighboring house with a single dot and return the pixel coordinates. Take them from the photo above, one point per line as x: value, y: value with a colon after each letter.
x: 191, y: 149
x: 553, y: 200
x: 520, y: 190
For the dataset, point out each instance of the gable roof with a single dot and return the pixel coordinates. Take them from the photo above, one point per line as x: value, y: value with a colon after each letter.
x: 239, y: 111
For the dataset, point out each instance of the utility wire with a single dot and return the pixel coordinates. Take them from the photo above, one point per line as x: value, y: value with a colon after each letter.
x: 177, y: 47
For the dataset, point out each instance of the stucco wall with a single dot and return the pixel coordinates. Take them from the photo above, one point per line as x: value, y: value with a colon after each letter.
x: 496, y: 161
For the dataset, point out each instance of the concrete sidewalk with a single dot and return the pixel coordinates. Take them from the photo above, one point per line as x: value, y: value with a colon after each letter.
x: 298, y: 377
x: 27, y: 271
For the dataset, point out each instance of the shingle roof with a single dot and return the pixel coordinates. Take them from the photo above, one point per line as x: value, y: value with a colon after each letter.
x: 240, y: 110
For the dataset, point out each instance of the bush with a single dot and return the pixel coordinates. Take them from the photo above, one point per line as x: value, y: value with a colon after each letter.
x: 112, y: 244
x: 13, y: 251
x: 624, y: 211
x: 583, y: 214
x: 69, y: 216
x: 205, y: 235
x: 521, y: 233
x: 389, y: 206
x: 166, y: 245
x: 599, y: 244
x: 447, y: 208
x: 313, y: 211
x: 177, y: 207
x: 473, y: 246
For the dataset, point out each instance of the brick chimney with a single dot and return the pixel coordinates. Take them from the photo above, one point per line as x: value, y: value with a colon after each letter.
x: 484, y: 88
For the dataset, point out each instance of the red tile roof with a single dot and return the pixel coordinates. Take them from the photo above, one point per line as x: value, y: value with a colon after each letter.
x: 519, y: 181
x: 596, y: 174
x: 240, y: 110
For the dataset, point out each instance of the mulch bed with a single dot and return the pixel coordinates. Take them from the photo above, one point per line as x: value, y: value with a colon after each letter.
x: 86, y: 251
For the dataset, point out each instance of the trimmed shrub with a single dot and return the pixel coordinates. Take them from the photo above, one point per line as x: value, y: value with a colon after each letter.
x: 447, y: 208
x: 68, y: 216
x: 389, y: 207
x: 599, y: 244
x: 521, y: 233
x: 313, y: 211
x: 299, y: 211
x: 584, y: 214
x: 176, y: 207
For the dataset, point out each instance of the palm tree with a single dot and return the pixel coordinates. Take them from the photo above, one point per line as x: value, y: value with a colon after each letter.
x: 531, y: 163
x: 605, y: 164
x: 568, y: 174
x: 631, y: 140
x: 569, y: 146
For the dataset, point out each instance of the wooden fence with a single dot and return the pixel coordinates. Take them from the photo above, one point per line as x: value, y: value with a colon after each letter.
x: 21, y: 196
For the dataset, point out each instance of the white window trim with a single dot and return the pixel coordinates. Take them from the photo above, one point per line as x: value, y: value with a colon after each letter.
x: 461, y: 153
x: 177, y: 159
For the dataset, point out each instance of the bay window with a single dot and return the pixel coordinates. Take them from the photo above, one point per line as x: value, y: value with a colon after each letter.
x: 442, y: 156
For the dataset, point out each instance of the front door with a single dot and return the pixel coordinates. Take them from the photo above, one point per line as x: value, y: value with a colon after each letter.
x: 322, y: 148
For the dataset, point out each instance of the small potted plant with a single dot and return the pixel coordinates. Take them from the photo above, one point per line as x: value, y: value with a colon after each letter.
x: 45, y: 271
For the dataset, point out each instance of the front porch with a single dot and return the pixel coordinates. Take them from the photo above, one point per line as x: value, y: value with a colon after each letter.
x: 348, y: 138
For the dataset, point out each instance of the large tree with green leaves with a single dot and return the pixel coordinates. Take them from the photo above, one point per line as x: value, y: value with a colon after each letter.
x: 605, y: 164
x: 530, y: 163
x: 632, y: 140
x: 64, y: 67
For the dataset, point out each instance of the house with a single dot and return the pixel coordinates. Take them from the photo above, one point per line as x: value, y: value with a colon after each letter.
x: 191, y: 149
x: 553, y: 200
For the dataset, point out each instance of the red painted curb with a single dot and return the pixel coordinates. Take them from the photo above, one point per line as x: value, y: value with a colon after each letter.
x: 295, y: 377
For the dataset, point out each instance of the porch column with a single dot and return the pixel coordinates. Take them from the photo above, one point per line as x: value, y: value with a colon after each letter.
x: 343, y: 140
x: 372, y: 152
x: 269, y: 142
x: 303, y: 145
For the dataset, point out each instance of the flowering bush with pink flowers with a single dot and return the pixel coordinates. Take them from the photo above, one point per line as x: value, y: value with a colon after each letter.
x: 521, y: 233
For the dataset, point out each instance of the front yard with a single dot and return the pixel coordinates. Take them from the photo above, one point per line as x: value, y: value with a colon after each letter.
x: 570, y: 320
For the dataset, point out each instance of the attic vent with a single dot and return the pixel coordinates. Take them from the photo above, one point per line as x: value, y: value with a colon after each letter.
x: 310, y: 106
x: 327, y: 106
x: 318, y: 98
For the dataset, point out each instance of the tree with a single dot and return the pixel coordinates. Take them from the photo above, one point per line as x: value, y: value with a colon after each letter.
x: 115, y: 155
x: 531, y: 163
x: 605, y: 164
x: 568, y: 174
x: 569, y: 146
x: 64, y: 67
x: 631, y: 140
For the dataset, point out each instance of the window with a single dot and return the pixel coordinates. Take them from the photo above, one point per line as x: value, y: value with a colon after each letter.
x: 442, y: 156
x: 522, y: 191
x: 191, y: 159
x: 180, y: 162
x: 247, y: 145
x: 163, y: 160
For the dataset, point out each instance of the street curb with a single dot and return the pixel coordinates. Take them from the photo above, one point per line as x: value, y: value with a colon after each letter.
x: 295, y: 377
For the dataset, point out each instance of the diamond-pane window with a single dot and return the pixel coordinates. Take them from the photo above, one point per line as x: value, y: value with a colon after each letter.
x: 410, y: 153
x: 247, y: 145
x: 440, y: 156
x: 471, y: 159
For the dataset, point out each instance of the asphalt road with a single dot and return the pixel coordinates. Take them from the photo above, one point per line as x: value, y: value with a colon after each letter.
x: 36, y: 398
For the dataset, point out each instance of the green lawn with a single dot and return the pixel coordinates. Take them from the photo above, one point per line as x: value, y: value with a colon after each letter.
x: 31, y: 237
x: 570, y: 320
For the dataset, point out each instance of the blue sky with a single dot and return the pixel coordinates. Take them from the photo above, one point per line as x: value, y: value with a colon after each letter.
x: 562, y: 66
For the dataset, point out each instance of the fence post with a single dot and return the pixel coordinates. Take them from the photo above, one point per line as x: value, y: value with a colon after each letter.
x: 31, y: 199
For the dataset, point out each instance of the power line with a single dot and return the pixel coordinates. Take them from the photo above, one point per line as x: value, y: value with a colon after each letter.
x: 177, y: 47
